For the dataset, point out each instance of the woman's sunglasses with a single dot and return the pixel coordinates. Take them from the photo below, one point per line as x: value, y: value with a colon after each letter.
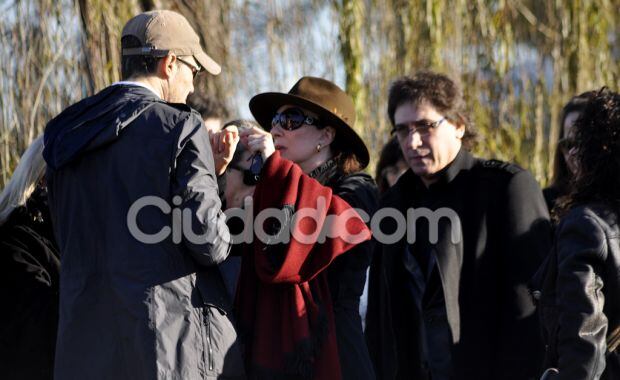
x: 293, y: 118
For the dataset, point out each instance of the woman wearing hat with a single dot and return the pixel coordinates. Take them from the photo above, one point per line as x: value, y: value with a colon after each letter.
x: 298, y: 301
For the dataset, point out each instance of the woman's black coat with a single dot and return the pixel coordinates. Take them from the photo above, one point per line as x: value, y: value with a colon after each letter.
x: 347, y: 274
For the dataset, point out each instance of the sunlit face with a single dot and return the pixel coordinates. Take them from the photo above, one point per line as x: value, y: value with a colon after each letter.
x: 569, y: 133
x: 299, y: 145
x: 427, y: 154
x: 569, y: 124
x: 182, y: 81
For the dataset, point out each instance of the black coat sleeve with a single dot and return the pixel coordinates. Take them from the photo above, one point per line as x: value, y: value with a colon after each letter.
x: 195, y: 186
x: 526, y: 242
x: 582, y: 327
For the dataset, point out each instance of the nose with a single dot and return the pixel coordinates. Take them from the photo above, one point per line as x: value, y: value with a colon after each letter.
x: 276, y: 131
x: 414, y: 140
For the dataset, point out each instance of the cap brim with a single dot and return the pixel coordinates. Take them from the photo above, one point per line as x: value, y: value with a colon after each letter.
x: 264, y: 106
x: 208, y: 63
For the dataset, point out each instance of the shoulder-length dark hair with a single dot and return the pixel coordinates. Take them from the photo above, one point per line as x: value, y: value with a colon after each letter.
x: 346, y: 160
x: 561, y: 174
x: 390, y: 155
x: 597, y: 151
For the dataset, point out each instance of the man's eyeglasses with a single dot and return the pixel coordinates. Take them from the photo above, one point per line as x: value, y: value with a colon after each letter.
x: 195, y: 69
x: 251, y: 176
x: 423, y: 127
x: 293, y: 118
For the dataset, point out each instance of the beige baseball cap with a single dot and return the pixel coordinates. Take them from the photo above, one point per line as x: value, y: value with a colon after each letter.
x: 162, y: 32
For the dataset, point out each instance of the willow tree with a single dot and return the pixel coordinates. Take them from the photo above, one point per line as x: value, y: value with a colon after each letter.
x: 102, y: 23
x: 518, y: 62
x: 351, y: 13
x: 39, y: 53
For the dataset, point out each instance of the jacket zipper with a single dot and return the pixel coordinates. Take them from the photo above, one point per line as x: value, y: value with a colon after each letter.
x: 208, y: 325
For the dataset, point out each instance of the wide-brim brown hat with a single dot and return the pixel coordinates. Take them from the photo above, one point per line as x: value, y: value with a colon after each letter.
x: 332, y: 105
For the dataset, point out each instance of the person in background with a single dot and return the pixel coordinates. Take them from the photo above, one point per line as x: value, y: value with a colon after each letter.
x: 239, y: 179
x: 451, y: 301
x: 239, y: 182
x: 391, y: 165
x: 30, y: 269
x: 298, y: 301
x: 141, y: 296
x: 563, y: 168
x: 212, y: 111
x: 580, y: 299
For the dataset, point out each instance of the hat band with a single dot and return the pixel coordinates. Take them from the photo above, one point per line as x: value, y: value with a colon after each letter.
x: 146, y: 50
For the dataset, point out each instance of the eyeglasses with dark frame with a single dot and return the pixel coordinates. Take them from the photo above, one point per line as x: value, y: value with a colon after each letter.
x: 293, y: 118
x: 195, y: 69
x: 423, y: 127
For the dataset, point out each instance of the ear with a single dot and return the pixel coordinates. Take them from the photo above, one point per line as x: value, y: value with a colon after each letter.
x: 460, y: 130
x: 166, y: 66
x: 328, y: 134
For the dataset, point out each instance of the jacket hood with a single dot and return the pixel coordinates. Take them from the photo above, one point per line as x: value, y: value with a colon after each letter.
x: 93, y: 122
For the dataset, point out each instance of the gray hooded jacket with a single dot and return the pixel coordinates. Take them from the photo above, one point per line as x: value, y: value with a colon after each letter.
x: 131, y: 306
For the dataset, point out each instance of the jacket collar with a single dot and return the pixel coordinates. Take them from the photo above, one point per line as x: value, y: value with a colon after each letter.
x: 462, y: 162
x: 137, y: 85
x: 325, y: 172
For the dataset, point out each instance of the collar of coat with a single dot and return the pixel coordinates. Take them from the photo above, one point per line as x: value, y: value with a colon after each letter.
x: 463, y: 161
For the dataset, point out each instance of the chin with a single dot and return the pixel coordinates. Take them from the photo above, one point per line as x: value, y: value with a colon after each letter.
x: 421, y: 170
x: 284, y: 154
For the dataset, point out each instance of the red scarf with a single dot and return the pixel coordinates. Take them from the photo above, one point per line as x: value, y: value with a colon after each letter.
x: 283, y: 300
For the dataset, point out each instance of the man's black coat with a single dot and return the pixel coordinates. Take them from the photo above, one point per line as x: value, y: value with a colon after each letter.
x: 505, y: 234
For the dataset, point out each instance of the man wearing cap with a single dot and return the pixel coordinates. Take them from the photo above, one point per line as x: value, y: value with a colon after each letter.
x: 134, y: 201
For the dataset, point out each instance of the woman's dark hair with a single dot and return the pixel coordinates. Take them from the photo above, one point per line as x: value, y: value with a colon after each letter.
x: 597, y: 151
x: 390, y: 156
x: 136, y: 65
x: 441, y: 92
x: 240, y: 149
x: 561, y: 174
x: 345, y: 159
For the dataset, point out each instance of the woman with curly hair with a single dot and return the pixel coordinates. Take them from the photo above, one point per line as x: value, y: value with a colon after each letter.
x: 580, y: 300
x: 563, y: 166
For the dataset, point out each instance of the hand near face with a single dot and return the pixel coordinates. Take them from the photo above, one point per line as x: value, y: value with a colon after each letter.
x: 223, y: 144
x: 258, y: 140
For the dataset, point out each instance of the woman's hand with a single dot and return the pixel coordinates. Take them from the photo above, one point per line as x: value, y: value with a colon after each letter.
x: 224, y: 143
x: 258, y: 140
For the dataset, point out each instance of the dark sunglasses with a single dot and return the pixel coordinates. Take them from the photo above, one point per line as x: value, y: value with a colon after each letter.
x: 423, y: 127
x: 251, y: 176
x: 195, y: 69
x: 293, y: 118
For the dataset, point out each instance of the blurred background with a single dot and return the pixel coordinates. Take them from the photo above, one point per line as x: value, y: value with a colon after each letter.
x: 518, y: 61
